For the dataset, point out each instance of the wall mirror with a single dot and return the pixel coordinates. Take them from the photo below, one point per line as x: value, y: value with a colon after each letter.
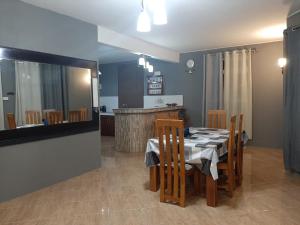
x: 44, y: 96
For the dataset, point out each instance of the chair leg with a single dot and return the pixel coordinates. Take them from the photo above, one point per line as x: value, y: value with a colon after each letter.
x: 211, y: 191
x: 197, y: 182
x: 231, y: 185
x: 154, y: 178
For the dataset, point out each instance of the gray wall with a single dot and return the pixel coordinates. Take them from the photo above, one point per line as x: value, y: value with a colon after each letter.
x: 27, y: 27
x: 267, y: 89
x: 178, y: 82
x: 27, y: 167
x: 294, y: 20
x: 267, y: 95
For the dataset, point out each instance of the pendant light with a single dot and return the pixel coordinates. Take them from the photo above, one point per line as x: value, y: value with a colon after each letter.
x: 142, y: 61
x: 144, y: 22
x: 159, y: 13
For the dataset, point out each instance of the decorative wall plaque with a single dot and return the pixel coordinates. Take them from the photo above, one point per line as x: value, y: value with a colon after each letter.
x: 155, y: 85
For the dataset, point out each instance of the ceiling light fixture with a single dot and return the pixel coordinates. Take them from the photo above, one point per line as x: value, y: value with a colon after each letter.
x: 159, y: 13
x: 145, y: 64
x: 157, y: 8
x: 144, y: 23
x: 142, y: 61
x: 272, y: 31
x: 150, y: 69
x: 282, y: 63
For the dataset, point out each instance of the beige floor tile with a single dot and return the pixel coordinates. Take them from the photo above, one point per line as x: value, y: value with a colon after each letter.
x: 117, y: 194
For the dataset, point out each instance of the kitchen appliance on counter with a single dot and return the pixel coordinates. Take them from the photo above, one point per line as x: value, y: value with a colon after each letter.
x: 103, y: 108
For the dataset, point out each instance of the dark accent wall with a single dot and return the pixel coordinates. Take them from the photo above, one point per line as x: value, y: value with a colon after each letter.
x: 109, y: 79
x: 28, y: 167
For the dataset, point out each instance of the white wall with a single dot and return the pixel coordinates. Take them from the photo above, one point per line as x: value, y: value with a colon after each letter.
x: 111, y: 102
x: 162, y: 100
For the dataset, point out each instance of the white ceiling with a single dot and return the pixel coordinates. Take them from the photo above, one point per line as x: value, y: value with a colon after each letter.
x: 192, y: 24
x: 108, y: 54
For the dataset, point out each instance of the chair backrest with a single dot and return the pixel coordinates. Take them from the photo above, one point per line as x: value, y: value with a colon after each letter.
x: 74, y: 116
x: 165, y: 115
x: 33, y: 117
x: 231, y: 144
x: 216, y: 119
x: 240, y: 150
x: 46, y: 114
x: 55, y: 117
x: 11, y: 121
x: 83, y: 114
x: 172, y: 163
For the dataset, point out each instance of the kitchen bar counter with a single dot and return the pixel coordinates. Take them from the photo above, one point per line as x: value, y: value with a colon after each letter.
x: 134, y: 126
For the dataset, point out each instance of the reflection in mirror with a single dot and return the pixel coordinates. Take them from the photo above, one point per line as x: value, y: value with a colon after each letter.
x: 38, y: 94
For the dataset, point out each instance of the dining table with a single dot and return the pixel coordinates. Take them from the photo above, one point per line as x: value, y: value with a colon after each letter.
x: 204, y: 148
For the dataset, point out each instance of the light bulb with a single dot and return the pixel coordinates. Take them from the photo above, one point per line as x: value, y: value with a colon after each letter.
x: 282, y: 62
x: 150, y: 69
x: 142, y: 61
x: 147, y: 65
x: 144, y: 23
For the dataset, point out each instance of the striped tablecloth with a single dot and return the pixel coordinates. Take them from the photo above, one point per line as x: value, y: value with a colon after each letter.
x: 203, y: 148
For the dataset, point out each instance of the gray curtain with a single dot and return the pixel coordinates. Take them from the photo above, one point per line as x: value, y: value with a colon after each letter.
x: 213, y: 84
x: 8, y: 78
x: 291, y: 142
x: 51, y: 83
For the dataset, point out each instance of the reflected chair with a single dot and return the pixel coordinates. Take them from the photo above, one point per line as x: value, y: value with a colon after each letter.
x: 74, y: 116
x: 239, y: 153
x: 55, y: 117
x: 11, y: 121
x: 227, y: 167
x: 216, y: 119
x: 83, y: 114
x: 173, y: 170
x: 33, y: 117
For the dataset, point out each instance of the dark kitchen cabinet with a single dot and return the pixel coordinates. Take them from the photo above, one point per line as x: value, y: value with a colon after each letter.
x: 107, y: 125
x: 131, y: 86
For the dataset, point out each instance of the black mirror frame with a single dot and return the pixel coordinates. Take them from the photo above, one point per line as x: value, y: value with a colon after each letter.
x: 30, y: 134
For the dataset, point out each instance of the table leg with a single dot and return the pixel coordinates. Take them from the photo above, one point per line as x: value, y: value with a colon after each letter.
x: 154, y: 178
x: 211, y: 191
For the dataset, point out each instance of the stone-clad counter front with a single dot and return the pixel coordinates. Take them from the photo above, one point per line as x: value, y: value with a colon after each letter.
x: 134, y: 126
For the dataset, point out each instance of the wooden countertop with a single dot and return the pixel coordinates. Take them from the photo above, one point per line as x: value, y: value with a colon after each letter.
x: 143, y: 110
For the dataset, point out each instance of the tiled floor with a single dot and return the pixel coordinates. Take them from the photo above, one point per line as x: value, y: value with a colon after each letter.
x: 117, y: 194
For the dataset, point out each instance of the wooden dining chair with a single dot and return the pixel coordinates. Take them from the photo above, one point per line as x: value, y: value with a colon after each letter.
x: 173, y: 170
x: 228, y: 165
x: 74, y: 116
x: 239, y: 152
x: 11, y: 121
x: 33, y: 117
x: 83, y: 114
x: 216, y: 119
x: 165, y: 115
x: 55, y: 117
